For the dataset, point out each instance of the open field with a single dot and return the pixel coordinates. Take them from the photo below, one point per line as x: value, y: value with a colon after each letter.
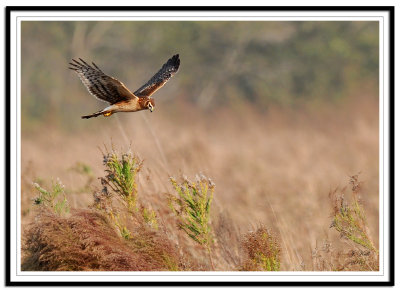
x: 271, y: 168
x: 281, y: 116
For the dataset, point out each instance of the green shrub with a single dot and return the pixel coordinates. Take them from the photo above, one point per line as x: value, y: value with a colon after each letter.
x: 120, y: 182
x: 121, y: 171
x: 54, y: 199
x: 150, y: 217
x: 349, y: 219
x: 192, y: 205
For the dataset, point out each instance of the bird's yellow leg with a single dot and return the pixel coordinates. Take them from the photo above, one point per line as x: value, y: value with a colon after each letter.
x: 107, y: 114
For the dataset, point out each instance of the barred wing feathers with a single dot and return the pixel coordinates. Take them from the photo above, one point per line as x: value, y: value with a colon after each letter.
x: 100, y: 85
x: 160, y: 78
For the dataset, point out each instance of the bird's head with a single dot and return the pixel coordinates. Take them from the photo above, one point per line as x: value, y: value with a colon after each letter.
x: 150, y: 104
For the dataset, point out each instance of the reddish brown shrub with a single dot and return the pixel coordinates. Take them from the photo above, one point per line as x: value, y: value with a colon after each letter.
x: 262, y: 251
x: 86, y: 241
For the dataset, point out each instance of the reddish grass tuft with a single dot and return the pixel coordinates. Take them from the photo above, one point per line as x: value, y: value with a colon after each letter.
x: 262, y: 251
x: 87, y: 241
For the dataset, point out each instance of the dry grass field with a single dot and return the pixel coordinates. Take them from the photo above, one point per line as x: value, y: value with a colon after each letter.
x: 273, y: 172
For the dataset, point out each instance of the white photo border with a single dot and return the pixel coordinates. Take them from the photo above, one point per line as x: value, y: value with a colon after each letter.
x: 384, y: 15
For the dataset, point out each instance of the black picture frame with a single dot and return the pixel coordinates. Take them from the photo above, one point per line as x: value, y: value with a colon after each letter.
x: 10, y: 9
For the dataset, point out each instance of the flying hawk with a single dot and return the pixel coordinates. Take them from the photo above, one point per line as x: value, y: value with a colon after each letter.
x: 113, y: 91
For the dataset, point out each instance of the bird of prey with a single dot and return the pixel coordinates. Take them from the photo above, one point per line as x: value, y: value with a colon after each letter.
x: 113, y: 91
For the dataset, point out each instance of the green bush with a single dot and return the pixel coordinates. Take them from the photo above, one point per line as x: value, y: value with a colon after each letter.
x: 54, y: 199
x: 192, y: 205
x: 121, y: 171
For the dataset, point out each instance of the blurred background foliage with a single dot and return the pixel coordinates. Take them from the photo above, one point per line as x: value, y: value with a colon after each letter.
x: 226, y: 63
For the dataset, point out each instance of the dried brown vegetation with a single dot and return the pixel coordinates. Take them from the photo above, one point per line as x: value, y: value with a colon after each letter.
x: 87, y: 241
x: 262, y: 251
x: 273, y: 169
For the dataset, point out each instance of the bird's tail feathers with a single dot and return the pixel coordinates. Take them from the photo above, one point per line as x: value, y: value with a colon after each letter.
x: 93, y: 115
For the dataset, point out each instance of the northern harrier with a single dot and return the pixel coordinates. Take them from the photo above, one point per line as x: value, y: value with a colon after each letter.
x: 113, y: 91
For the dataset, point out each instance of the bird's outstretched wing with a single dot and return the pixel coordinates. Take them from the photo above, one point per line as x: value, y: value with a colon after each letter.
x: 160, y: 78
x: 99, y: 84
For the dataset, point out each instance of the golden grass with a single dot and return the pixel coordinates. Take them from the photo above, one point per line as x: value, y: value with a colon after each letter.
x: 275, y: 168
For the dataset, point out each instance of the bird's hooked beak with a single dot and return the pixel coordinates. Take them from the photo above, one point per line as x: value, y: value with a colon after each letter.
x: 150, y: 106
